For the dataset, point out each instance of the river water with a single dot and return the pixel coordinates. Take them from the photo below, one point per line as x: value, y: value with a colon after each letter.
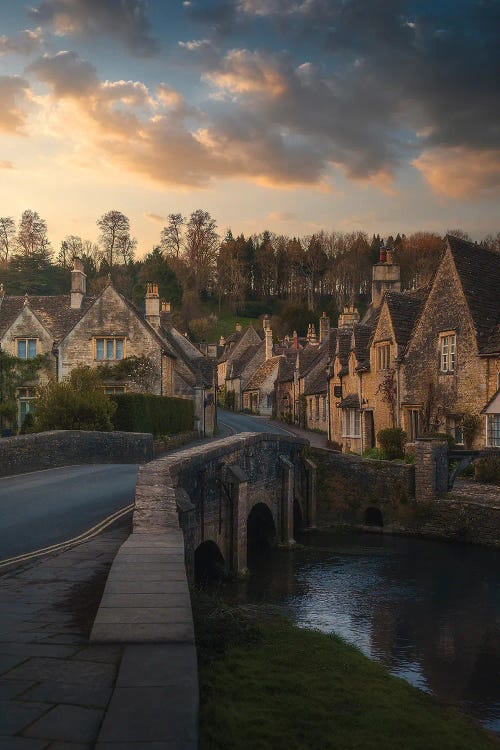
x: 429, y: 611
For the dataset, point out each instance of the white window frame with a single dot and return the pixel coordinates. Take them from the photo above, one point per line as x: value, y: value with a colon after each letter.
x: 114, y: 390
x: 27, y: 341
x: 447, y: 352
x: 351, y: 423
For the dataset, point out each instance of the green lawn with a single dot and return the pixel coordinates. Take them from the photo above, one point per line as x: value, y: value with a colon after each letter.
x: 271, y: 686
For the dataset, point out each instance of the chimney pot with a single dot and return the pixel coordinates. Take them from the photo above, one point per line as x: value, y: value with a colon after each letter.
x: 153, y: 305
x: 383, y: 255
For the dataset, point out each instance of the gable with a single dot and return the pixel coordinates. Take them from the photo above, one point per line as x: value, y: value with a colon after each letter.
x: 26, y: 325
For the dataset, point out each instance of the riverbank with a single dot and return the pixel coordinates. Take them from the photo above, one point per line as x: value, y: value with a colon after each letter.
x: 267, y: 683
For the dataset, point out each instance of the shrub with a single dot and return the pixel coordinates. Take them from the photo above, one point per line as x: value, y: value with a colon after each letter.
x: 392, y: 441
x: 375, y: 453
x: 471, y: 424
x: 161, y: 415
x: 487, y: 470
x: 230, y: 401
x: 77, y: 403
x: 28, y: 424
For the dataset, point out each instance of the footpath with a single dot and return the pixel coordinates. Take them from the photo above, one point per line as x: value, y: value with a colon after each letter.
x: 54, y: 686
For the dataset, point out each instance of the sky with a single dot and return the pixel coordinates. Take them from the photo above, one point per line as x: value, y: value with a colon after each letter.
x: 287, y: 115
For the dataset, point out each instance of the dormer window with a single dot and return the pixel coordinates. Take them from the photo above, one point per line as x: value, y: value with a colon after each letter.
x: 109, y: 348
x: 27, y: 348
x: 383, y: 353
x: 447, y: 350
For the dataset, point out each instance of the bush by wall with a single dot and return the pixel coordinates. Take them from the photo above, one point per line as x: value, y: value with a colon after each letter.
x: 160, y: 415
x: 392, y: 441
x: 487, y: 470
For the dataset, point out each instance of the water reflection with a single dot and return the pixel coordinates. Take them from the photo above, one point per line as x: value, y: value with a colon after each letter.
x: 429, y: 611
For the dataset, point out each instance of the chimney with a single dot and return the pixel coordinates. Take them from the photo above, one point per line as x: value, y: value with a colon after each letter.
x: 295, y: 340
x: 324, y: 328
x: 349, y: 317
x: 78, y: 284
x: 222, y: 341
x: 166, y: 307
x: 266, y: 323
x: 269, y: 343
x: 238, y: 327
x: 386, y: 277
x: 153, y: 305
x: 311, y: 333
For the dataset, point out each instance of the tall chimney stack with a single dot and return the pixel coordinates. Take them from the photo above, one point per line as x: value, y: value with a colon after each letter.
x: 324, y: 328
x: 349, y: 317
x: 386, y: 277
x: 268, y: 342
x: 78, y: 284
x: 153, y: 305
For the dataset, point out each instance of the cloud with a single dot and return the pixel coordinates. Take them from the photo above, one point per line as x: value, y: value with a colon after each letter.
x: 6, y: 165
x: 26, y: 42
x: 461, y: 173
x: 244, y: 72
x: 125, y: 20
x: 155, y: 217
x: 66, y: 73
x: 15, y: 97
x: 281, y: 216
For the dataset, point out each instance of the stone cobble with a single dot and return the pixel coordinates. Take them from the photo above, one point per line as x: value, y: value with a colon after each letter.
x: 54, y: 686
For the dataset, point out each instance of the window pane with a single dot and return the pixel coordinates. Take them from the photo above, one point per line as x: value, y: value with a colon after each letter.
x: 119, y: 349
x: 100, y: 348
x: 31, y: 348
x: 110, y: 349
x: 21, y: 348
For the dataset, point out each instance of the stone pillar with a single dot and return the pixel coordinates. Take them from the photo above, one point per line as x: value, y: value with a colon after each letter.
x: 287, y: 495
x: 312, y: 476
x: 431, y: 469
x: 238, y: 487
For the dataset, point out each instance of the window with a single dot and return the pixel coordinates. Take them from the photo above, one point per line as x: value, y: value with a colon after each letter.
x: 493, y: 430
x: 454, y: 427
x: 113, y: 390
x: 413, y: 418
x: 109, y: 348
x: 26, y: 398
x: 317, y: 407
x: 383, y: 356
x: 26, y: 348
x: 324, y: 407
x: 448, y: 344
x: 351, y: 423
x: 310, y: 408
x: 269, y: 400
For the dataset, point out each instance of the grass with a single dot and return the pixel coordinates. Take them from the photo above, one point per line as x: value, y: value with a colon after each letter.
x: 267, y: 684
x: 226, y: 325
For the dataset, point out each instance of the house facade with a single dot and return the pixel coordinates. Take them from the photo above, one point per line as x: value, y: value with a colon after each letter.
x: 104, y: 331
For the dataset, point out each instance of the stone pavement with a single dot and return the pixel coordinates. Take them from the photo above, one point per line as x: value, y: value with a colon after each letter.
x: 55, y: 686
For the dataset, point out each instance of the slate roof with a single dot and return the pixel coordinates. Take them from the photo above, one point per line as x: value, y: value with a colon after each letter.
x: 404, y: 309
x: 479, y: 272
x: 54, y: 312
x: 287, y: 366
x: 308, y: 358
x: 362, y: 335
x: 246, y: 356
x: 262, y: 373
x: 351, y: 401
x: 344, y: 336
x: 317, y: 380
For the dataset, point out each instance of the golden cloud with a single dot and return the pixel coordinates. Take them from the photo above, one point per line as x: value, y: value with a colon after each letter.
x: 460, y: 172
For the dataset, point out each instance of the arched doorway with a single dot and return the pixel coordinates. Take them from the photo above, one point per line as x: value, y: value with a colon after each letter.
x: 261, y: 533
x: 374, y: 517
x: 208, y: 562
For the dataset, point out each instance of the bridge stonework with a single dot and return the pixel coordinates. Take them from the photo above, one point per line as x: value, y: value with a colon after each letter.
x: 212, y: 490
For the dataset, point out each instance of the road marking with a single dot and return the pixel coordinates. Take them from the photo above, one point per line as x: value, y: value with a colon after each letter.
x: 83, y: 537
x: 233, y: 431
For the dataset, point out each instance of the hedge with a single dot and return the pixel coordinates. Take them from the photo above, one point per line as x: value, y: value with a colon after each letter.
x: 161, y: 415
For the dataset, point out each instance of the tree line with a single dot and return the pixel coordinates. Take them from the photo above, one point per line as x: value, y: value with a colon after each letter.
x: 194, y: 263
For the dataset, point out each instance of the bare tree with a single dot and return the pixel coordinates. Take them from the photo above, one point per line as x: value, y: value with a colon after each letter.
x: 7, y: 235
x: 171, y: 235
x: 201, y: 247
x: 114, y: 235
x: 32, y: 234
x: 71, y: 247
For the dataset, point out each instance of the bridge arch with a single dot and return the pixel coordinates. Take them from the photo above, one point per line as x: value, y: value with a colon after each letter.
x: 374, y: 517
x: 261, y: 531
x: 209, y: 562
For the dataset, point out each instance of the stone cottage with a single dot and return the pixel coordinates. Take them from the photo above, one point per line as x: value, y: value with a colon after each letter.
x: 103, y: 331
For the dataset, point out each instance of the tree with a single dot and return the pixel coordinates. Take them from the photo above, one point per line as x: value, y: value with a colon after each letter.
x: 201, y: 246
x: 155, y: 267
x: 71, y: 248
x: 15, y: 372
x: 77, y: 403
x: 231, y: 270
x: 31, y: 236
x: 7, y: 235
x: 171, y: 235
x: 114, y: 236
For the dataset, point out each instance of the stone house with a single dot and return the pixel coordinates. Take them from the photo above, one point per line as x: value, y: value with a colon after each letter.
x: 243, y: 353
x: 103, y: 331
x: 426, y: 360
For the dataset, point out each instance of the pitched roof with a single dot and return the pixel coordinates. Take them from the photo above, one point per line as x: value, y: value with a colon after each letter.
x: 351, y: 401
x: 479, y: 272
x: 287, y: 366
x: 361, y: 339
x: 316, y: 381
x: 246, y: 356
x: 262, y: 373
x: 344, y: 336
x: 308, y: 358
x: 404, y: 308
x: 53, y: 312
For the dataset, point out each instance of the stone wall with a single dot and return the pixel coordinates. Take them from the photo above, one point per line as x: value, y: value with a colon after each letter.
x: 348, y: 485
x: 47, y: 450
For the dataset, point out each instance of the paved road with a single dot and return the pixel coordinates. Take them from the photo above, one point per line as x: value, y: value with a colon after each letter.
x: 244, y: 423
x: 47, y: 507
